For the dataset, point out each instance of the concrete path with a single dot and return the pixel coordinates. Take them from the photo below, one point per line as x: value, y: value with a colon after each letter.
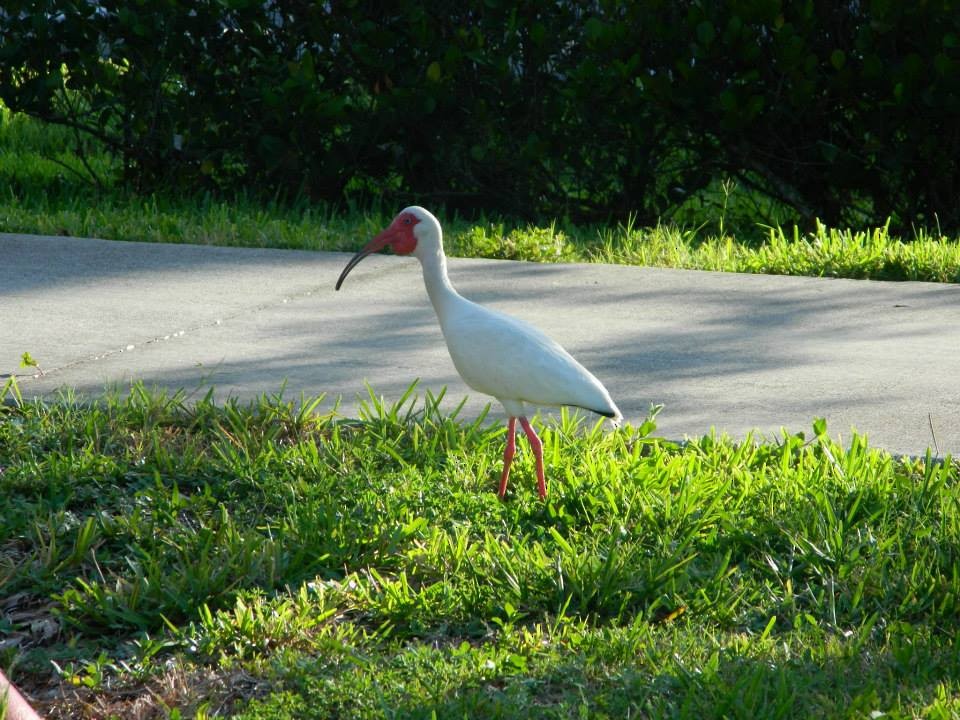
x: 734, y: 352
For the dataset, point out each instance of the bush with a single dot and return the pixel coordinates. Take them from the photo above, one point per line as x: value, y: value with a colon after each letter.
x: 846, y: 111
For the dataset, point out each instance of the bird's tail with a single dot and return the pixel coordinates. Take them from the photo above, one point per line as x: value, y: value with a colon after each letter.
x: 613, y: 412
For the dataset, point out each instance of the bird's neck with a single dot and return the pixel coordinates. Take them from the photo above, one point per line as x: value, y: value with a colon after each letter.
x: 442, y: 293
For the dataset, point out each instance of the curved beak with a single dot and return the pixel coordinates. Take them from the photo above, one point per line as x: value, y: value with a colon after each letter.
x: 375, y: 245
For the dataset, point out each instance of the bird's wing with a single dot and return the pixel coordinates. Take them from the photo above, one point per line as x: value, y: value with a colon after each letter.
x: 502, y: 356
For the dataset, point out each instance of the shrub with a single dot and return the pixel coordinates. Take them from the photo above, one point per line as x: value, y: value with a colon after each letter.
x: 846, y: 111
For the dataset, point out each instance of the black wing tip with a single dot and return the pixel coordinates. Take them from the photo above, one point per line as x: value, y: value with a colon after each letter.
x: 612, y: 414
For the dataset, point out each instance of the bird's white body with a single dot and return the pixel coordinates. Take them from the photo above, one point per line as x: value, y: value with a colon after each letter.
x: 506, y: 358
x: 494, y: 353
x: 499, y: 355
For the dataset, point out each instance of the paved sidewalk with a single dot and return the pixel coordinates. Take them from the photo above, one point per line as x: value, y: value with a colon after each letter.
x: 735, y: 352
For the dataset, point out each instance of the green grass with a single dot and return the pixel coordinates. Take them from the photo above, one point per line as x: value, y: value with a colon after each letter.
x: 167, y: 559
x: 262, y: 561
x: 43, y: 190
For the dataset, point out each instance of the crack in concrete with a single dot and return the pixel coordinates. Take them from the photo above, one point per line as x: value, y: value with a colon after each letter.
x: 130, y: 347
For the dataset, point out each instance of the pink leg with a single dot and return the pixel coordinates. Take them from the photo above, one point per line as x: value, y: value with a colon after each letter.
x: 16, y: 707
x: 537, y: 447
x: 508, y: 452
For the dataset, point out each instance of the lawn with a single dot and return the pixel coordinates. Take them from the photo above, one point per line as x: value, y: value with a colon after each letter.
x: 162, y: 559
x: 169, y: 559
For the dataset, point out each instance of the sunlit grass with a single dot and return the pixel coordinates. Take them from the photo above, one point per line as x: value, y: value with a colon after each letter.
x: 45, y: 189
x: 279, y: 563
x: 827, y: 252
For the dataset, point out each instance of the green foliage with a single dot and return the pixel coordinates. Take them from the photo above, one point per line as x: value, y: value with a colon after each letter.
x: 842, y: 111
x: 826, y: 252
x: 43, y: 197
x: 346, y: 567
x: 537, y: 244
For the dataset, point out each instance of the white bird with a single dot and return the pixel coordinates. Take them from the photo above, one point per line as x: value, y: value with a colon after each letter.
x: 494, y: 353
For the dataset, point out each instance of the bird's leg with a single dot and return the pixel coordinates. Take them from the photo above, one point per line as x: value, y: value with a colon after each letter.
x: 537, y: 447
x: 508, y: 454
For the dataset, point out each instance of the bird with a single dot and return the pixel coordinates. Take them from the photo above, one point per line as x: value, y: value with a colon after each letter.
x: 495, y: 354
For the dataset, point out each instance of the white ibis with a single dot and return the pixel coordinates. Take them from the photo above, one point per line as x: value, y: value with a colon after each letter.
x: 494, y: 353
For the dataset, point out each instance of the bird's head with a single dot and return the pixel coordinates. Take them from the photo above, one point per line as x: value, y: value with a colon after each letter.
x: 413, y: 231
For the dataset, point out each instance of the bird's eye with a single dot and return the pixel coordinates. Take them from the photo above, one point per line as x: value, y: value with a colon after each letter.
x: 406, y: 221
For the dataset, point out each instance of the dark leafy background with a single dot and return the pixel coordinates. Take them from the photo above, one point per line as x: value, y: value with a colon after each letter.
x: 846, y: 111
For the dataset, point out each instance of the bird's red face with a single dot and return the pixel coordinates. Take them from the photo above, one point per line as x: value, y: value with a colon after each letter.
x: 399, y: 236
